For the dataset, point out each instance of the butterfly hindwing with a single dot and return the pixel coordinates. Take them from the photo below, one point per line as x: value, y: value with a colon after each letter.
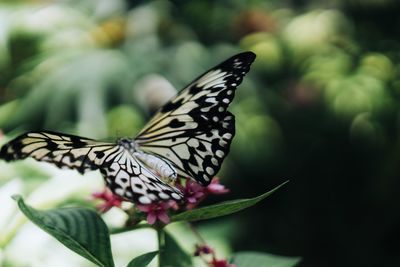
x: 194, y: 130
x: 127, y: 177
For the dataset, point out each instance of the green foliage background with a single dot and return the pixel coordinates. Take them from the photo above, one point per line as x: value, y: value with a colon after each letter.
x: 320, y: 106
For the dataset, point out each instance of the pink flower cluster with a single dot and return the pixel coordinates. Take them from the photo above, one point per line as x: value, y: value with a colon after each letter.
x: 221, y: 263
x: 193, y: 193
x: 109, y: 200
x: 202, y: 250
x: 157, y: 211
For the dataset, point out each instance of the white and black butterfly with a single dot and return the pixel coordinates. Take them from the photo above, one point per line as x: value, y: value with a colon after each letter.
x: 188, y: 137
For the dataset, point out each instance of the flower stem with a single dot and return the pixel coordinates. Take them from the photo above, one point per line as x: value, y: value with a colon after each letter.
x: 161, y: 245
x: 202, y: 242
x: 196, y: 233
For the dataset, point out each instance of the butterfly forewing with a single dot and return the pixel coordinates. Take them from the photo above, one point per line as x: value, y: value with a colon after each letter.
x: 63, y: 150
x: 194, y: 130
x: 199, y: 155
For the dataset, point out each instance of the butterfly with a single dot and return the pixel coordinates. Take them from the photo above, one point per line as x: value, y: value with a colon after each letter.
x: 188, y: 137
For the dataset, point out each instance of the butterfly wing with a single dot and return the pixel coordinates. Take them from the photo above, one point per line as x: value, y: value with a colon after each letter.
x: 63, y: 150
x: 194, y: 130
x: 125, y: 175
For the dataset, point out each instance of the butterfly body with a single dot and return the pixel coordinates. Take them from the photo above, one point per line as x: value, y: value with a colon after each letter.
x: 128, y: 143
x: 188, y: 137
x: 160, y: 166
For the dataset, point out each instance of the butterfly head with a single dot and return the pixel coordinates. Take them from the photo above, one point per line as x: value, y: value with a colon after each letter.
x: 128, y: 144
x: 171, y: 179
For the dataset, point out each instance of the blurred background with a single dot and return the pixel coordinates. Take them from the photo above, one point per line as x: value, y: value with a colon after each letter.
x: 320, y: 107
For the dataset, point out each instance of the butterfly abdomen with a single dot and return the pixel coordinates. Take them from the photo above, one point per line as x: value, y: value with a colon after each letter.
x: 161, y: 166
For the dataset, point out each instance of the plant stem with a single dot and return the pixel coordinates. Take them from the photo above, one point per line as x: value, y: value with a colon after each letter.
x: 161, y: 245
x: 196, y: 233
x: 202, y: 242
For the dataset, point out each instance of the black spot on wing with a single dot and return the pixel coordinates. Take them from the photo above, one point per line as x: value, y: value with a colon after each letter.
x: 209, y: 134
x: 175, y: 123
x: 139, y: 186
x: 171, y: 106
x: 77, y: 142
x: 201, y: 147
x: 99, y: 154
x: 51, y: 145
x: 194, y: 90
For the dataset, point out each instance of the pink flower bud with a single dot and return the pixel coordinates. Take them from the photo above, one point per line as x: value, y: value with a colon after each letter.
x: 109, y: 200
x: 157, y: 211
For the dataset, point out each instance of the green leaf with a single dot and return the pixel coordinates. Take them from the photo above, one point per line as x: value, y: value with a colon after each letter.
x: 81, y: 230
x: 221, y: 209
x: 143, y: 260
x: 259, y: 259
x: 173, y: 255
